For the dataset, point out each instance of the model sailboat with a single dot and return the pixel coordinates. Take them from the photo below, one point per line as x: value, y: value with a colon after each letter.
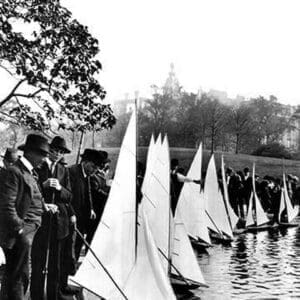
x: 177, y: 256
x: 256, y: 217
x: 215, y: 206
x: 233, y: 218
x: 115, y: 243
x: 286, y: 204
x: 191, y: 206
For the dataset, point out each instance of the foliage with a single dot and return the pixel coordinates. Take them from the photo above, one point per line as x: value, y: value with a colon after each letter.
x: 242, y: 126
x: 160, y: 112
x: 216, y: 118
x: 268, y: 118
x: 54, y: 65
x: 272, y: 150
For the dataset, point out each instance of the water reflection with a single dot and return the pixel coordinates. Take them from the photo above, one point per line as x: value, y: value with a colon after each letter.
x: 263, y: 265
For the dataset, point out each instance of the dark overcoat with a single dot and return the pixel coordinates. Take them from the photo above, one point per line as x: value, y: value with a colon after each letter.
x: 61, y: 198
x: 80, y: 201
x: 16, y: 191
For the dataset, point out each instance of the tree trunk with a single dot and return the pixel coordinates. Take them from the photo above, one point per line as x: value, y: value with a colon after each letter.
x: 73, y: 139
x: 79, y: 148
x: 212, y: 142
x: 93, y: 139
x: 237, y: 144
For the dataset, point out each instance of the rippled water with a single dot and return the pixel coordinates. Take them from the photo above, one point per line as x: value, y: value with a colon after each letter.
x: 263, y: 265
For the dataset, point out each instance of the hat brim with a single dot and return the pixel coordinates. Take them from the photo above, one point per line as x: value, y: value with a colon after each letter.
x: 23, y: 147
x: 66, y: 151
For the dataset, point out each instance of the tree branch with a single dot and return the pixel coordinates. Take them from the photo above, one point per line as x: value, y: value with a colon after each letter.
x: 9, y: 116
x: 11, y: 94
x: 7, y: 70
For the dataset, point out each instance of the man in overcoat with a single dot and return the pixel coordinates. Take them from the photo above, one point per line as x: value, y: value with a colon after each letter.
x: 52, y: 236
x: 10, y: 157
x: 82, y: 202
x: 21, y: 208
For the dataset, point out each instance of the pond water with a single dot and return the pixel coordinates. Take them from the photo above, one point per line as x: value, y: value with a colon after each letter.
x: 262, y: 265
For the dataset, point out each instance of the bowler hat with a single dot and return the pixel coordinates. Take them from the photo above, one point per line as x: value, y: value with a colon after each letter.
x: 104, y: 155
x: 59, y: 142
x: 10, y: 155
x: 35, y: 142
x: 94, y: 156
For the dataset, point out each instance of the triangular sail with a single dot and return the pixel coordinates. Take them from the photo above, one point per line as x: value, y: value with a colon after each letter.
x: 282, y: 205
x: 148, y: 279
x: 261, y: 217
x: 183, y: 256
x: 250, y: 221
x: 292, y: 212
x: 114, y: 240
x: 232, y: 216
x: 191, y: 204
x: 215, y: 206
x: 156, y: 201
x: 149, y: 164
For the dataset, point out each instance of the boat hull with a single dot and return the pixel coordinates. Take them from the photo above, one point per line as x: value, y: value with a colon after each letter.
x: 287, y: 225
x: 199, y: 245
x: 217, y: 238
x: 181, y: 285
x: 259, y: 228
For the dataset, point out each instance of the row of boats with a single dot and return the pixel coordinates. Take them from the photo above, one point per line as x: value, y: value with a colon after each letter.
x: 143, y: 251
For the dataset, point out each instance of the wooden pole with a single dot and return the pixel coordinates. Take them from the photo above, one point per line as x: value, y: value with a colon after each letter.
x: 100, y: 263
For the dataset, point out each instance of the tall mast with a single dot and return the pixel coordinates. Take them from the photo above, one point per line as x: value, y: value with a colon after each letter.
x: 170, y: 212
x: 136, y: 94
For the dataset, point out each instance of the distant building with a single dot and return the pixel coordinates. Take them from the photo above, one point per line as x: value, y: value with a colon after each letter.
x: 172, y: 86
x: 126, y: 105
x: 291, y: 137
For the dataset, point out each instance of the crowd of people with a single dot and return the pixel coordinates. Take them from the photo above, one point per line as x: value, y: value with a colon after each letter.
x: 240, y: 187
x: 268, y: 190
x: 45, y: 208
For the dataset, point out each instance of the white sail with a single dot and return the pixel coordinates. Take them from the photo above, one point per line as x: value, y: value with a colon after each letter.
x: 156, y: 201
x: 191, y: 204
x: 261, y: 217
x: 149, y: 164
x: 282, y: 205
x: 183, y: 256
x: 232, y: 216
x: 148, y: 280
x: 114, y: 240
x: 292, y: 212
x: 250, y: 221
x: 215, y: 206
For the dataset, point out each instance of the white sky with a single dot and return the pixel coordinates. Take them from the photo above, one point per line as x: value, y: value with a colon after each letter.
x: 246, y: 47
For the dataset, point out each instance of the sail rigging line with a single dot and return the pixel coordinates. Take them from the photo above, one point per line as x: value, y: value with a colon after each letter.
x: 160, y: 183
x: 89, y: 290
x: 220, y: 232
x: 171, y: 265
x: 225, y: 191
x: 100, y: 263
x: 144, y: 195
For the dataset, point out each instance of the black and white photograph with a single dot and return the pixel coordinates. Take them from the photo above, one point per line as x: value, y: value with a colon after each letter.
x: 149, y: 150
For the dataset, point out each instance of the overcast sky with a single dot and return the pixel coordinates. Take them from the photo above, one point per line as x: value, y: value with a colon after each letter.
x: 246, y: 47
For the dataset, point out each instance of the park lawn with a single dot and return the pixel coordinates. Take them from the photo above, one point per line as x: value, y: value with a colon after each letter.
x: 264, y: 165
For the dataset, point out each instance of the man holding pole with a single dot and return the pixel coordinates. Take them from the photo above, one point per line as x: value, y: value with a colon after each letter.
x: 80, y: 175
x: 21, y: 208
x: 49, y: 272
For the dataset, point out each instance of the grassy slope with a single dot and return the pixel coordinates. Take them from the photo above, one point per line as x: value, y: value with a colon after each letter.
x: 264, y: 165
